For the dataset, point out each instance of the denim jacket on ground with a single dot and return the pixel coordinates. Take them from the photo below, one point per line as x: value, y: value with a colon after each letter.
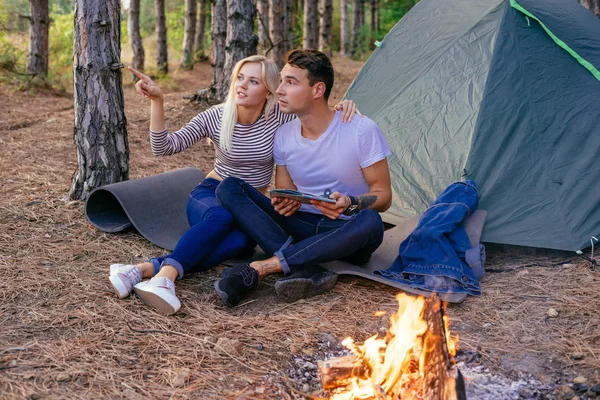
x: 433, y: 256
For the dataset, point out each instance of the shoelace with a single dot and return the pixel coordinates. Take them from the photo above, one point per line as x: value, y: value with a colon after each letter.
x: 134, y: 275
x: 248, y: 276
x: 167, y: 284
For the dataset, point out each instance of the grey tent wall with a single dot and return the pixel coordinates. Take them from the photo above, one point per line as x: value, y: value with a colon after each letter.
x: 423, y: 88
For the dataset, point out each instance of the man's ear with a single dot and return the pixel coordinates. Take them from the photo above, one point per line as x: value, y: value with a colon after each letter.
x: 318, y: 90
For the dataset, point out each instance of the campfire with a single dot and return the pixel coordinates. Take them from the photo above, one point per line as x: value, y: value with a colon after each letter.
x: 414, y: 360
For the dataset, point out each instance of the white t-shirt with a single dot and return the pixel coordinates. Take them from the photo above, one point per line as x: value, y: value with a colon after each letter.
x: 333, y: 161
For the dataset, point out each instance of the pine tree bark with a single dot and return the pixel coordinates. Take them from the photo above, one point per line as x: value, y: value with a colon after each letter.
x: 355, y: 40
x: 361, y: 13
x: 189, y: 33
x: 374, y: 8
x: 162, y: 62
x: 592, y: 5
x: 262, y: 19
x: 310, y: 38
x: 219, y: 32
x: 241, y: 40
x: 135, y: 39
x: 100, y: 125
x: 37, y: 59
x: 344, y: 28
x: 326, y: 24
x: 288, y: 25
x: 200, y: 28
x: 276, y: 31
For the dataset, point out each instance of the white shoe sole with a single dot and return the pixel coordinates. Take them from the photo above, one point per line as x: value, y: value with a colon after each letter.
x: 158, y: 298
x: 117, y: 283
x: 119, y: 287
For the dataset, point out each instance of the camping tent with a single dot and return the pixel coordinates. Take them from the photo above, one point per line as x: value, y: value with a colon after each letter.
x: 503, y: 92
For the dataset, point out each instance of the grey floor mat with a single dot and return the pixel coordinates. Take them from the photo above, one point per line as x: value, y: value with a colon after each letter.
x: 154, y: 205
x: 387, y: 253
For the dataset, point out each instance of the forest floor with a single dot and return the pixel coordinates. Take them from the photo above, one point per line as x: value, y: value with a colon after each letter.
x: 64, y: 334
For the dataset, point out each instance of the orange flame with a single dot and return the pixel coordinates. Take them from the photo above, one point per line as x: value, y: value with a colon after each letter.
x: 393, y: 364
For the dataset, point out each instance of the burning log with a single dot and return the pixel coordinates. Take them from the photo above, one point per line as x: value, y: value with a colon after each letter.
x: 414, y: 361
x: 440, y: 372
x: 338, y: 371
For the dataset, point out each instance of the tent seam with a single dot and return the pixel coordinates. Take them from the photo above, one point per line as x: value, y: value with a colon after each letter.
x: 586, y: 64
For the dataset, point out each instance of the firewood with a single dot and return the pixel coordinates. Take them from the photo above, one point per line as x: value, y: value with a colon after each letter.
x: 338, y: 371
x: 440, y: 373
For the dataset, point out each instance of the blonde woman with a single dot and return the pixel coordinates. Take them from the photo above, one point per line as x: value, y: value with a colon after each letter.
x: 242, y: 130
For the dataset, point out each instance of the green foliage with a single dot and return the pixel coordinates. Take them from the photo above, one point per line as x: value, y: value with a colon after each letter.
x: 175, y: 15
x: 60, y: 63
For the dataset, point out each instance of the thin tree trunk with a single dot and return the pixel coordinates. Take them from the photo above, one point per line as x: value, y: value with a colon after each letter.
x: 189, y: 33
x: 276, y: 26
x: 377, y: 20
x: 592, y: 5
x: 354, y: 41
x: 344, y: 28
x: 288, y: 35
x: 262, y: 18
x: 361, y: 13
x: 37, y: 59
x: 200, y: 28
x: 310, y: 38
x: 219, y: 32
x: 135, y: 39
x: 241, y: 40
x: 162, y: 62
x: 326, y: 26
x: 374, y: 6
x: 100, y: 125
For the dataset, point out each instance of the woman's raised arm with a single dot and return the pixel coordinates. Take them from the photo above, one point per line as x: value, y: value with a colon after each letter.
x: 147, y: 88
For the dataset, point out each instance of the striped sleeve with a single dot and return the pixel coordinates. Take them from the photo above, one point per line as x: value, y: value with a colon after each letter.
x: 282, y: 117
x: 204, y: 125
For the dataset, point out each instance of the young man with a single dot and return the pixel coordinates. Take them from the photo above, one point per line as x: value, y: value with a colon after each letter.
x: 314, y: 154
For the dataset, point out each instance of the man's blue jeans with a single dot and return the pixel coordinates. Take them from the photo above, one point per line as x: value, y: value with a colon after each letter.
x: 212, y: 237
x: 317, y: 238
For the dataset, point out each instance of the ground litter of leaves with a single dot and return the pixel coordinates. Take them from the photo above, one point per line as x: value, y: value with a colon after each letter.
x: 64, y: 334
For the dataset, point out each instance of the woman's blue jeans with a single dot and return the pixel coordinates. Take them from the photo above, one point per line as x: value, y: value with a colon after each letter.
x: 212, y: 237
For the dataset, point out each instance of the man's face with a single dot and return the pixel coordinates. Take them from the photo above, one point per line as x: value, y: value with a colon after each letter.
x: 295, y: 93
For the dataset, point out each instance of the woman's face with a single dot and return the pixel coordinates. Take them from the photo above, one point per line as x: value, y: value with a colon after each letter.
x: 250, y: 90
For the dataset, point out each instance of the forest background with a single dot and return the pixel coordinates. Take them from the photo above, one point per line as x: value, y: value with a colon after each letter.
x: 381, y: 15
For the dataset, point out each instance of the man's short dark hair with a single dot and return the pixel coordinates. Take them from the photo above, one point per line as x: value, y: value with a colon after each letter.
x: 316, y: 63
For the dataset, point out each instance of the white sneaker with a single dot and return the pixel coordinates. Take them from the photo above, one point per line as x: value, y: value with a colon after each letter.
x: 124, y: 277
x: 159, y: 292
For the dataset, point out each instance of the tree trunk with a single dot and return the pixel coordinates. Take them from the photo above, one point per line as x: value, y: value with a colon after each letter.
x: 162, y: 62
x: 241, y: 40
x: 135, y: 39
x: 219, y: 32
x: 361, y: 13
x: 276, y: 25
x: 37, y: 59
x: 262, y: 15
x: 592, y: 5
x: 326, y: 25
x: 100, y: 124
x: 355, y: 40
x: 310, y: 38
x: 200, y: 28
x: 374, y: 7
x: 344, y: 28
x: 189, y: 33
x: 288, y: 35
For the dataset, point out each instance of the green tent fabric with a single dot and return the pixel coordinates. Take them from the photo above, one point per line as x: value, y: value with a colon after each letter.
x: 504, y: 92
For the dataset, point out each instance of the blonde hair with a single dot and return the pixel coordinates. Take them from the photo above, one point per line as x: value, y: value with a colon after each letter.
x: 270, y: 78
